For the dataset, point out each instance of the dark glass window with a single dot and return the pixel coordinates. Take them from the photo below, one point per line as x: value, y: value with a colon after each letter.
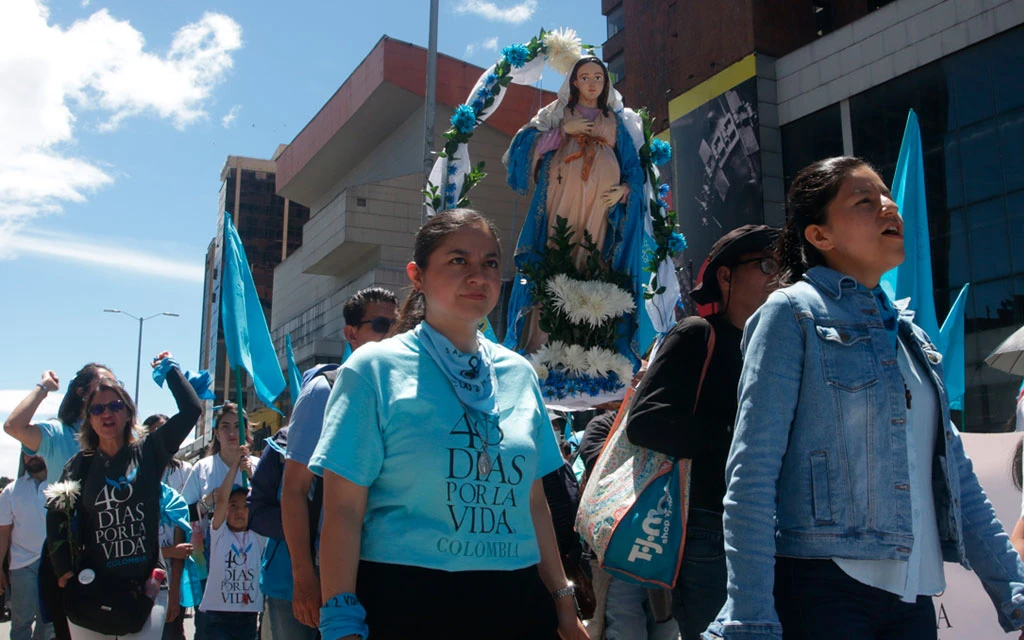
x: 615, y: 21
x: 824, y: 21
x: 979, y: 154
x: 617, y: 67
x: 813, y: 137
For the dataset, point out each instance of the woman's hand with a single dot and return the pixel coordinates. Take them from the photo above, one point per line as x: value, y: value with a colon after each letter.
x: 63, y: 580
x: 244, y: 463
x: 569, y: 625
x: 574, y: 126
x: 49, y: 381
x: 612, y: 196
x: 160, y: 356
x: 178, y: 551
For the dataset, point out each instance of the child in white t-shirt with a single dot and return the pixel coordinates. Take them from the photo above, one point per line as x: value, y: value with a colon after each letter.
x: 233, y: 598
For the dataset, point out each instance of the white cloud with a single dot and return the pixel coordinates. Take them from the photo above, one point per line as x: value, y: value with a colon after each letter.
x: 490, y: 44
x: 230, y: 116
x: 111, y: 255
x: 514, y: 14
x: 51, y: 76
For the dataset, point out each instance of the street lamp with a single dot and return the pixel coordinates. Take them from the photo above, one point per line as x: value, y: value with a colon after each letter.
x: 138, y: 361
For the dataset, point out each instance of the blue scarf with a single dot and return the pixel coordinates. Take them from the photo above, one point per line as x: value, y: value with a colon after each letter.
x: 888, y: 315
x: 174, y: 511
x: 471, y: 375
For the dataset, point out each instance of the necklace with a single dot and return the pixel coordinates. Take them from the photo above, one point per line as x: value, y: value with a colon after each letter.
x: 241, y: 552
x: 484, y: 463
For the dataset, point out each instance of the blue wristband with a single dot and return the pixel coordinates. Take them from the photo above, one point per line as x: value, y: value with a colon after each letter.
x: 343, y: 616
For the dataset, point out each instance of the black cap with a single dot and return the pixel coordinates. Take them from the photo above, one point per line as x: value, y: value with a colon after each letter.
x: 749, y: 238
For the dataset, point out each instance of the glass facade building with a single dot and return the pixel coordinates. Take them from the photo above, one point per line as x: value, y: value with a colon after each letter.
x: 970, y: 106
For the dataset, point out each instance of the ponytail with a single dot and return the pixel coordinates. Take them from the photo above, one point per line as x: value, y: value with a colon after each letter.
x: 413, y: 311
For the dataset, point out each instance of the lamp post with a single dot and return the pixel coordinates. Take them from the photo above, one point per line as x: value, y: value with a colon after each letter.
x: 138, y: 359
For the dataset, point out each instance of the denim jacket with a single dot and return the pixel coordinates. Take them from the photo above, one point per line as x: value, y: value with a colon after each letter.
x: 818, y: 466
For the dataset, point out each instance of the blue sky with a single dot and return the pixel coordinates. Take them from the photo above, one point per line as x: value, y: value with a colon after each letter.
x: 115, y: 121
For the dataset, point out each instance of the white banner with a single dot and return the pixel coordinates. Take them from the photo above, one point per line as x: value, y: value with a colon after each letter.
x: 964, y: 611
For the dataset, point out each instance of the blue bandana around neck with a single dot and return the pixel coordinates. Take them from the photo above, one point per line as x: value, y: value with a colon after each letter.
x: 471, y: 375
x: 888, y: 314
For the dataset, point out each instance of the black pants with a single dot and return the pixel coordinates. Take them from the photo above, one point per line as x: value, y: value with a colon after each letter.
x: 51, y: 599
x: 411, y: 602
x: 816, y: 599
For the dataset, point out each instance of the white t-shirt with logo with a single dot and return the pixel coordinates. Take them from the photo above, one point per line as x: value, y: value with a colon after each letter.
x: 234, y: 580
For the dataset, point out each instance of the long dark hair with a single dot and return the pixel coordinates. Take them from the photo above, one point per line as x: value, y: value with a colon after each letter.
x: 158, y: 419
x: 227, y: 407
x: 428, y: 238
x: 574, y: 93
x: 71, y: 406
x: 813, y: 189
x: 87, y: 438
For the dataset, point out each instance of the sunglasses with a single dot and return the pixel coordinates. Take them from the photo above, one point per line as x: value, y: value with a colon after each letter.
x: 768, y: 266
x: 380, y: 324
x: 113, y: 405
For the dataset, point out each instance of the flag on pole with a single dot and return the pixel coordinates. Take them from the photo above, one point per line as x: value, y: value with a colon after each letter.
x: 246, y: 336
x: 913, y: 278
x: 951, y: 346
x: 294, y: 375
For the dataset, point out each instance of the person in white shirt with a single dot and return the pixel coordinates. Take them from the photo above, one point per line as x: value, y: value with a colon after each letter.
x: 205, y: 476
x: 233, y: 599
x: 23, y: 529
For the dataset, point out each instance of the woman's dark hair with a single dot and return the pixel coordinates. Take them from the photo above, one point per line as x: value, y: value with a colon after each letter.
x: 158, y: 419
x: 428, y: 238
x: 227, y: 407
x: 1018, y: 464
x: 87, y: 438
x: 71, y: 406
x: 813, y: 189
x: 574, y: 93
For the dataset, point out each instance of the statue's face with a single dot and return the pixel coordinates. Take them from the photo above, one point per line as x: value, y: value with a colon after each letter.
x: 589, y: 81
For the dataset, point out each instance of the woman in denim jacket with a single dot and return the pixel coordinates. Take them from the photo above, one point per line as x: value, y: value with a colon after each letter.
x: 848, y: 485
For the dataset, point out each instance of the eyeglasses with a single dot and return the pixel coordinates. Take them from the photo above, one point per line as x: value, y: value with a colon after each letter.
x: 380, y: 324
x: 768, y: 266
x: 113, y: 405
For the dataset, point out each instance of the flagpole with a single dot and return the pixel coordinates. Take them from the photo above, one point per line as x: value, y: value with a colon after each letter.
x: 243, y: 420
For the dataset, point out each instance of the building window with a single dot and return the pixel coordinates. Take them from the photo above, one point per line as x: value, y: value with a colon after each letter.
x: 614, y: 21
x: 617, y: 67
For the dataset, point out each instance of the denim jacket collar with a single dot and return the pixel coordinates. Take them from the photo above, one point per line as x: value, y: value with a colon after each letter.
x: 830, y: 281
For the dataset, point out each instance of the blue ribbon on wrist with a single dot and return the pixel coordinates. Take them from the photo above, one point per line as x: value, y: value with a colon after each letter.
x: 200, y: 381
x: 343, y: 616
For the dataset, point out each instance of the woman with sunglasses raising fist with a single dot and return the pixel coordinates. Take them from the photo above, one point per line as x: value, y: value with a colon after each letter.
x: 116, y: 512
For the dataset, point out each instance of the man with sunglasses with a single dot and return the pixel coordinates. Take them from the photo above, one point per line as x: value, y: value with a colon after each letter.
x: 295, y: 611
x: 674, y: 412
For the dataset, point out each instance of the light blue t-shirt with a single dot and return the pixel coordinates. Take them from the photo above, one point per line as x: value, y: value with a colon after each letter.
x: 59, y: 443
x: 307, y: 419
x: 394, y: 424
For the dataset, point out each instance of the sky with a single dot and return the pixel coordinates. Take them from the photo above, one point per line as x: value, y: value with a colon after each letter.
x: 115, y: 121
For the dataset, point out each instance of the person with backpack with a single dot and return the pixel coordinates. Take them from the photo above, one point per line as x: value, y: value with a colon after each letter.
x: 295, y: 611
x: 686, y: 411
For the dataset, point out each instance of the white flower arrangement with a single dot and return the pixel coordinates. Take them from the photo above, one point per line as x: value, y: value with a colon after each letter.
x: 563, y: 48
x: 592, y: 303
x: 63, y: 495
x: 595, y: 362
x: 601, y: 362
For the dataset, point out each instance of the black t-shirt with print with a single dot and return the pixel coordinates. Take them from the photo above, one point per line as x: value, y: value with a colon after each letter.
x: 119, y: 507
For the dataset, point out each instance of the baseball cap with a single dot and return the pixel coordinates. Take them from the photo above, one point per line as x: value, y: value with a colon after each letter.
x: 726, y: 252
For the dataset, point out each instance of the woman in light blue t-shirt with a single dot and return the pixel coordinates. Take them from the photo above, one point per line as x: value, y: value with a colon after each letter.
x: 433, y: 449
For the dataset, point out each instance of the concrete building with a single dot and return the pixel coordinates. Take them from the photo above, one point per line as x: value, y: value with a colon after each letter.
x: 270, y: 228
x: 751, y: 92
x: 358, y: 166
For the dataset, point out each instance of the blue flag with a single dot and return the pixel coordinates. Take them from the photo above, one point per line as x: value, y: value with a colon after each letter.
x: 294, y: 375
x: 913, y: 279
x: 246, y: 336
x: 951, y: 346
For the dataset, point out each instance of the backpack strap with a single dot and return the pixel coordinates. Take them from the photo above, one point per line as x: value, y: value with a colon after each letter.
x: 330, y: 376
x: 704, y: 370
